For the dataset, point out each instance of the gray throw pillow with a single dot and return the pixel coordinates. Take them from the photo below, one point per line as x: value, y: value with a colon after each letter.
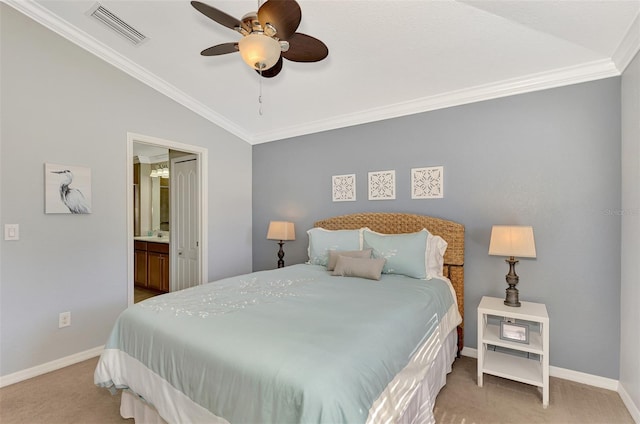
x: 359, y: 267
x: 333, y: 256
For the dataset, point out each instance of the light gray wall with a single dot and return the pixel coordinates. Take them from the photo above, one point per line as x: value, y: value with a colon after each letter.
x: 550, y: 159
x: 61, y: 104
x: 630, y: 212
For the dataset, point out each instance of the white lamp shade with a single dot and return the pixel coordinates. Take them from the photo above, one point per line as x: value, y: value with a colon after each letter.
x: 154, y: 173
x: 259, y: 51
x: 281, y: 230
x: 507, y: 240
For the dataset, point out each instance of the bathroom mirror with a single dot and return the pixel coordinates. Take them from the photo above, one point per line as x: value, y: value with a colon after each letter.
x: 160, y: 204
x: 151, y: 190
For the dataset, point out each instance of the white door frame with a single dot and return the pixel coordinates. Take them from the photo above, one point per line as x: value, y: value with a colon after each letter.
x: 203, y: 218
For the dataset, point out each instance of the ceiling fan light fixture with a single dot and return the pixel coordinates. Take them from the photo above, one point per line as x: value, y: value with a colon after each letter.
x: 270, y: 30
x: 259, y: 51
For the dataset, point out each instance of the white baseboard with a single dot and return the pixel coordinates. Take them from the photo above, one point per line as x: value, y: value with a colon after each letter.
x: 19, y: 376
x: 633, y: 409
x: 578, y: 377
x: 470, y: 352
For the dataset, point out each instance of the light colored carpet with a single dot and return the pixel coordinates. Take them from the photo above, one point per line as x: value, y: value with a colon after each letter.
x: 69, y: 396
x: 502, y: 401
x: 65, y: 396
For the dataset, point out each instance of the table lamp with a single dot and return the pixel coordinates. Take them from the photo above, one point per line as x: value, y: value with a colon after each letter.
x: 281, y: 231
x: 512, y: 241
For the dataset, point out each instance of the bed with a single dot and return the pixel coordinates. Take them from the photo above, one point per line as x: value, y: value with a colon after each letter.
x: 303, y: 343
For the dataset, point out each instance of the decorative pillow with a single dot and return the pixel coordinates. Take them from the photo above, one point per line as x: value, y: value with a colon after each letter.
x: 359, y: 267
x: 333, y: 256
x: 406, y: 254
x: 436, y: 246
x: 321, y: 241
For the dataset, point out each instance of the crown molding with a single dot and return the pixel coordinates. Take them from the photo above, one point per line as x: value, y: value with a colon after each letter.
x: 61, y: 27
x: 151, y: 159
x: 629, y: 46
x: 534, y: 82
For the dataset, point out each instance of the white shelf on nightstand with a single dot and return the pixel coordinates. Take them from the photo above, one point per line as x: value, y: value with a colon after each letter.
x: 505, y: 365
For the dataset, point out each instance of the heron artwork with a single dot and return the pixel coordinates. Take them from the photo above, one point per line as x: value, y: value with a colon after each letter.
x: 72, y: 197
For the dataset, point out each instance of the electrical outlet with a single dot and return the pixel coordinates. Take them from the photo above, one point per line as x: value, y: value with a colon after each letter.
x: 64, y: 319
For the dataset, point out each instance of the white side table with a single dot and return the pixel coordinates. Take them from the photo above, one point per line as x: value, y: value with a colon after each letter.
x: 517, y: 368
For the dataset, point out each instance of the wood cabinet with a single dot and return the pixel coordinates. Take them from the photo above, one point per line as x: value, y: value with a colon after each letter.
x: 151, y: 265
x: 140, y: 266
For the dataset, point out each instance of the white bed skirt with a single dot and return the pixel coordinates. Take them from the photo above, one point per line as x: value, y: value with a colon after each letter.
x: 418, y: 411
x: 131, y: 406
x: 420, y: 407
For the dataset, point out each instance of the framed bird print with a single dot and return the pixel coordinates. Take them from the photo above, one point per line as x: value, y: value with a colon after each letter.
x: 67, y: 189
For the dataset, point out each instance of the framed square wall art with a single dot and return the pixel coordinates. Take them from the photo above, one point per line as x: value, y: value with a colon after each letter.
x: 67, y: 189
x: 382, y: 185
x: 427, y: 183
x: 343, y: 188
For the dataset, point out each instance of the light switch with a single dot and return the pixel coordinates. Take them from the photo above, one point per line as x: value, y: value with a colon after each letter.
x: 11, y: 231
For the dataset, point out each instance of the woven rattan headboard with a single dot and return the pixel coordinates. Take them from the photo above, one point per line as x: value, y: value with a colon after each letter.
x: 398, y: 223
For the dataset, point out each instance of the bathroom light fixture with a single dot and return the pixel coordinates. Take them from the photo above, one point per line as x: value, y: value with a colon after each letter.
x: 161, y: 171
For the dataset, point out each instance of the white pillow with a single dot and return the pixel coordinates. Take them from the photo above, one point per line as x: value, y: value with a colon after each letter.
x: 436, y: 246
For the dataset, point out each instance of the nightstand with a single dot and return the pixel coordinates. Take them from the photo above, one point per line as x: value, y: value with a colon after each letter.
x: 493, y: 355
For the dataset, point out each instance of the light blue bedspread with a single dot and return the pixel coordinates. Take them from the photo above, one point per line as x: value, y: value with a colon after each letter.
x: 293, y: 345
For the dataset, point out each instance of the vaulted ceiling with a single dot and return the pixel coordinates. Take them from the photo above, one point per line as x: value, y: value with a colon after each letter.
x: 386, y: 58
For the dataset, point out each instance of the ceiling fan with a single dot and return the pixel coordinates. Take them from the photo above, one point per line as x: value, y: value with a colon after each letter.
x: 268, y: 35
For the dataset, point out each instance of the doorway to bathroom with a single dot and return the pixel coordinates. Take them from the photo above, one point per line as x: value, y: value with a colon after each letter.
x: 157, y: 227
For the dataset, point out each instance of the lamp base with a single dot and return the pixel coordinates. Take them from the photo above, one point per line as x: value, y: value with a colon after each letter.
x: 512, y: 280
x: 281, y: 255
x: 512, y: 297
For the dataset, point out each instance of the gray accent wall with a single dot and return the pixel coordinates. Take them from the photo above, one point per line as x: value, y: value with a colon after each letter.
x: 60, y: 104
x: 550, y: 159
x: 630, y: 215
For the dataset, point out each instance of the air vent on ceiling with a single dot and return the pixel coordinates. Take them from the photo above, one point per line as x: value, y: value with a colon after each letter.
x: 111, y: 20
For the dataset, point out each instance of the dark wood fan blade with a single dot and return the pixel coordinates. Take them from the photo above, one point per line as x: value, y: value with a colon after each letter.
x: 284, y: 15
x: 273, y: 71
x: 217, y: 15
x: 220, y: 49
x: 305, y: 48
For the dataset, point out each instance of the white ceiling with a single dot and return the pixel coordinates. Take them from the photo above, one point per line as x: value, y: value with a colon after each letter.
x: 386, y: 58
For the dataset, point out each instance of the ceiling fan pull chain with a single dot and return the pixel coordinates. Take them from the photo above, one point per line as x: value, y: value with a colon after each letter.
x: 260, y: 95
